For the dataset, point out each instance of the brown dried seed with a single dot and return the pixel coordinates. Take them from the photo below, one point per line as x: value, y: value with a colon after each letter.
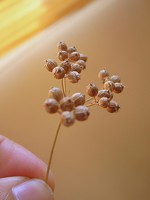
x: 118, y: 88
x: 73, y: 76
x: 67, y: 118
x: 115, y: 79
x: 62, y: 55
x: 81, y: 113
x: 81, y: 63
x: 83, y: 57
x: 109, y: 85
x: 50, y: 64
x: 113, y: 106
x: 58, y: 72
x: 71, y: 49
x: 66, y: 65
x: 55, y: 93
x: 103, y: 102
x: 51, y: 105
x: 74, y: 56
x: 76, y: 67
x: 62, y: 46
x: 66, y: 104
x: 104, y: 93
x: 103, y: 74
x: 78, y: 99
x: 92, y: 90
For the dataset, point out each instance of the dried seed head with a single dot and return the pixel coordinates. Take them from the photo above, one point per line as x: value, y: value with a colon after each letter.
x: 115, y: 79
x: 103, y: 102
x: 59, y: 72
x: 51, y: 105
x: 104, y: 93
x: 118, y: 88
x: 67, y: 118
x: 66, y: 65
x: 92, y: 90
x: 76, y: 67
x: 82, y: 64
x: 71, y: 49
x: 109, y: 85
x: 62, y: 55
x: 78, y: 99
x: 73, y: 76
x: 103, y: 74
x: 66, y: 104
x: 55, y: 93
x: 83, y: 57
x: 113, y: 106
x: 74, y: 56
x: 50, y: 64
x: 62, y: 46
x: 81, y: 113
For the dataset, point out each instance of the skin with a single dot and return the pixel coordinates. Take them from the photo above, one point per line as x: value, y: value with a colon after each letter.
x: 19, y: 167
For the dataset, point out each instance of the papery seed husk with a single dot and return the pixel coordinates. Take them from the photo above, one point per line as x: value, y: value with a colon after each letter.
x: 118, y: 88
x: 55, y: 93
x: 51, y: 105
x: 115, y: 79
x: 66, y: 65
x: 62, y: 46
x: 67, y: 118
x: 73, y: 76
x: 66, y: 104
x: 78, y: 99
x: 113, y: 106
x: 74, y: 56
x: 81, y: 63
x: 92, y: 90
x: 109, y: 85
x: 103, y: 74
x: 83, y: 57
x: 50, y: 64
x: 71, y: 49
x: 104, y: 93
x: 76, y: 67
x: 62, y: 55
x: 81, y: 113
x: 103, y: 102
x: 58, y: 72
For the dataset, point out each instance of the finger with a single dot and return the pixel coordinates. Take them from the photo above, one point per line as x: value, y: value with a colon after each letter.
x: 17, y: 161
x: 20, y: 188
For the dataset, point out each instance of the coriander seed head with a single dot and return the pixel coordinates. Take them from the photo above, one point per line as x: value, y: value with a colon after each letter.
x: 62, y: 55
x: 81, y: 113
x: 51, y: 105
x: 50, y: 64
x: 62, y: 46
x: 55, y: 93
x: 66, y: 104
x: 58, y: 72
x: 92, y: 90
x: 113, y: 106
x: 67, y: 118
x: 78, y: 99
x: 73, y: 76
x: 103, y: 74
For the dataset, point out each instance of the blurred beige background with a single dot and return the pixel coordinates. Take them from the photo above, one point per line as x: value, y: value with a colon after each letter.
x: 108, y: 156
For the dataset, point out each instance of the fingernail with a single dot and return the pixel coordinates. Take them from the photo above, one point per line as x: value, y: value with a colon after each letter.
x: 33, y: 189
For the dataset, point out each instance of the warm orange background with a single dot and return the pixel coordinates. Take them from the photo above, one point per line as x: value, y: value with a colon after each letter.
x: 108, y: 156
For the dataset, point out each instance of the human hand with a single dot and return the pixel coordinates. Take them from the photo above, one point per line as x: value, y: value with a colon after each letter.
x: 22, y: 174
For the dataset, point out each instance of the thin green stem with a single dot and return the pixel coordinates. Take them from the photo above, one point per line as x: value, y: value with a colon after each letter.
x: 52, y: 151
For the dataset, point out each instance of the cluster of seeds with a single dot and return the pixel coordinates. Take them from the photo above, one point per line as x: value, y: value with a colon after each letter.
x: 71, y: 63
x: 75, y: 107
x: 69, y: 108
x: 104, y: 96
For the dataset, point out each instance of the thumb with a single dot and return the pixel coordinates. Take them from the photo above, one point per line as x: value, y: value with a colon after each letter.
x: 25, y: 189
x: 33, y: 189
